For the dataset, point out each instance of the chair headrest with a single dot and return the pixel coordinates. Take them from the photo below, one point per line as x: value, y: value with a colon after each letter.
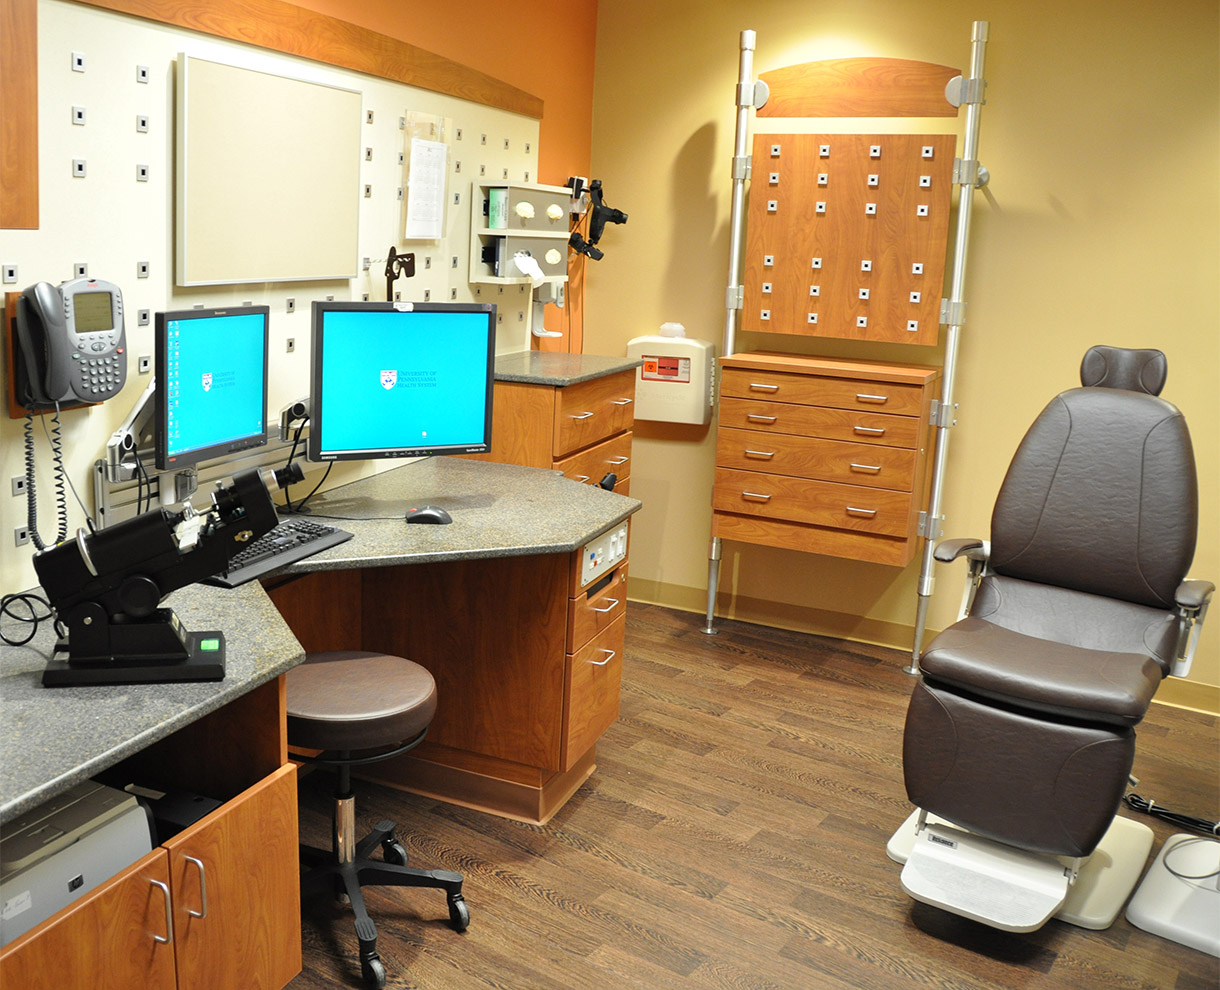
x: 1124, y: 367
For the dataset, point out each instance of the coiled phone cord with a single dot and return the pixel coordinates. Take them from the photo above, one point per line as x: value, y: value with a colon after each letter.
x: 61, y: 495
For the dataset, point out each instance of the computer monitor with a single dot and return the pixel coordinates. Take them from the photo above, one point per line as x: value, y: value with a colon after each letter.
x: 401, y: 379
x: 211, y: 395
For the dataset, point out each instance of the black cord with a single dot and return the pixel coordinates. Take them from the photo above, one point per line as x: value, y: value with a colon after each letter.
x: 1147, y: 807
x: 63, y: 476
x: 1188, y: 841
x: 28, y: 599
x: 296, y: 439
x: 301, y: 504
x: 143, y: 484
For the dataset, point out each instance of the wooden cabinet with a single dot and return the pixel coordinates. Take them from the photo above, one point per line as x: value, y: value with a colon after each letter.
x: 218, y: 904
x: 583, y: 429
x: 823, y: 455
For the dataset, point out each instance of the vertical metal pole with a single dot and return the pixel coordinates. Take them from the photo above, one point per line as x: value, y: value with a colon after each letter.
x: 968, y: 181
x: 746, y: 102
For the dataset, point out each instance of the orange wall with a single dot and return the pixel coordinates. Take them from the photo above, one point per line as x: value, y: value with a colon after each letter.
x: 544, y: 47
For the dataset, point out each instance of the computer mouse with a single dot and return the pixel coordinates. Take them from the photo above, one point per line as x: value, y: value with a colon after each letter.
x: 428, y: 514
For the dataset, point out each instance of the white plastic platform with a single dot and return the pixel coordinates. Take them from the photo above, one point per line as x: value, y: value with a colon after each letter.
x: 1182, y: 910
x: 1007, y: 888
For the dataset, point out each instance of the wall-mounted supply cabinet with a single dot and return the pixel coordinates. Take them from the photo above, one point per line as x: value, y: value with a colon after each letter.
x: 506, y: 219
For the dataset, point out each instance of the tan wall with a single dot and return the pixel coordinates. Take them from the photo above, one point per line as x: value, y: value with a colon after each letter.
x: 1101, y: 225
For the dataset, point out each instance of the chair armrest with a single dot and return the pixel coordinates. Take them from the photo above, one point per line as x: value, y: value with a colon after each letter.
x: 947, y: 550
x: 1192, y: 599
x: 1193, y: 595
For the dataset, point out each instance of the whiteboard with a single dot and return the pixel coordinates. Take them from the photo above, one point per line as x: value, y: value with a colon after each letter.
x: 268, y: 176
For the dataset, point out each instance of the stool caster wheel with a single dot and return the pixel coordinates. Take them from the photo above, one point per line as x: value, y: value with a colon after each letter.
x: 373, y: 972
x: 459, y: 913
x: 394, y: 852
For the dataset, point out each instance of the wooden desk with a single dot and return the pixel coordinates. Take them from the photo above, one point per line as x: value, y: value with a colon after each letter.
x: 488, y: 613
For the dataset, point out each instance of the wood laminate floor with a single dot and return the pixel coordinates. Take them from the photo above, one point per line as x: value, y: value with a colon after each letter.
x: 732, y: 837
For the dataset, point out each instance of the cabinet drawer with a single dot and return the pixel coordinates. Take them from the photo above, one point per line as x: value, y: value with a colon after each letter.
x: 591, y: 411
x: 810, y: 457
x: 839, y: 393
x: 591, y: 692
x: 821, y: 503
x: 590, y: 614
x: 590, y: 466
x: 819, y: 421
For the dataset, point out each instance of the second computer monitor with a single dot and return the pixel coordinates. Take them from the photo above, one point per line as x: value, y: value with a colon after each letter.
x: 211, y: 396
x: 401, y: 379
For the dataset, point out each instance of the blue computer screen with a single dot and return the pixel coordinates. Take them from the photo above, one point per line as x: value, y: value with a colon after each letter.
x: 211, y: 383
x: 391, y: 382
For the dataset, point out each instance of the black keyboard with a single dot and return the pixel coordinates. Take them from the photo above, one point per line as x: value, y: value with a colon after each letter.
x: 290, y: 541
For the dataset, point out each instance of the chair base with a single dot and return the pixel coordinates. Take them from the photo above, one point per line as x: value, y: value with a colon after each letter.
x: 1182, y: 910
x: 332, y: 874
x: 1017, y: 891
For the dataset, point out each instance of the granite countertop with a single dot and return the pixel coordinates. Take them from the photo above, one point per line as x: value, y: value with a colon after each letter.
x: 498, y: 510
x: 548, y: 368
x: 53, y: 738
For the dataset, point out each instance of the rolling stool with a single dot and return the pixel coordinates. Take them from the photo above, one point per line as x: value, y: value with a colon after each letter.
x: 348, y: 703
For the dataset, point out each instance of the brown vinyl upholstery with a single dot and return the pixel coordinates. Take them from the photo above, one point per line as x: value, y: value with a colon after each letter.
x: 1021, y: 727
x: 348, y: 700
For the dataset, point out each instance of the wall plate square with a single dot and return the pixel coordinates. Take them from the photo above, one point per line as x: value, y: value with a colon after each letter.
x: 819, y: 206
x: 141, y: 73
x: 459, y: 134
x: 870, y: 209
x: 78, y: 61
x: 290, y: 345
x: 917, y: 268
x: 142, y: 268
x: 368, y: 191
x: 368, y: 154
x: 765, y: 314
x: 815, y: 290
x: 453, y: 293
x: 921, y: 210
x: 775, y: 150
x: 142, y: 123
x: 290, y: 305
x: 768, y: 260
x: 925, y: 182
x: 144, y: 364
x: 864, y: 293
x: 861, y: 321
x: 78, y: 116
x: 78, y: 168
x: 817, y: 263
x: 916, y: 296
x: 773, y: 206
x: 913, y: 326
x: 766, y: 287
x: 368, y: 116
x: 10, y: 274
x: 813, y: 317
x: 823, y: 151
x: 866, y: 266
x: 144, y: 317
x: 141, y: 173
x: 427, y: 295
x: 928, y: 151
x: 80, y: 269
x: 823, y: 178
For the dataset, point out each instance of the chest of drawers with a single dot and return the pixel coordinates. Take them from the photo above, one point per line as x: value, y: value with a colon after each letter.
x: 823, y: 455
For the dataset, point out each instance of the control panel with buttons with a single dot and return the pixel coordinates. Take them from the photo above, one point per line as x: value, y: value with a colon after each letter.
x: 603, y: 553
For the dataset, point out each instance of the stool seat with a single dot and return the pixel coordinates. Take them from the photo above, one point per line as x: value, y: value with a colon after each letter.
x: 354, y: 699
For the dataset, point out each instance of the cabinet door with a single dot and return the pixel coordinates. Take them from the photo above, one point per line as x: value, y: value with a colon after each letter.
x: 105, y: 941
x: 235, y: 878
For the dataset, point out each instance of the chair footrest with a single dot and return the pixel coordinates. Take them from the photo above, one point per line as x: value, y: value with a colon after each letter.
x: 984, y: 880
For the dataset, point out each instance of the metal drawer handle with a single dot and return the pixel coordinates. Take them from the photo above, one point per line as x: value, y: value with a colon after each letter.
x: 767, y: 454
x: 758, y: 495
x: 203, y: 889
x: 602, y: 663
x: 755, y: 418
x: 583, y: 415
x: 862, y: 397
x: 872, y: 431
x: 169, y: 917
x: 866, y: 513
x: 582, y: 478
x: 610, y: 607
x: 758, y: 387
x: 618, y: 460
x: 621, y: 402
x: 871, y: 468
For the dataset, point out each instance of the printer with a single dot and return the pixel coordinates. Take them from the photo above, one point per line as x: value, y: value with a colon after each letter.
x: 64, y: 848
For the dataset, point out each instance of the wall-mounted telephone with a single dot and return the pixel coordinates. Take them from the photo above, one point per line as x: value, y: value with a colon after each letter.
x: 72, y: 344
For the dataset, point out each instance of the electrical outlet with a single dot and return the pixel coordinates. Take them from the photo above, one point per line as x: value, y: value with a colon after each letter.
x: 21, y: 536
x: 18, y: 484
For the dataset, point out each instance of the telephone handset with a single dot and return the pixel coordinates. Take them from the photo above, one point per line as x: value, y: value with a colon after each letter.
x: 72, y: 342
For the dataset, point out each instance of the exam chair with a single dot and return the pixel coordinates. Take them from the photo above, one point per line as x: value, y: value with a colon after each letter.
x: 1020, y: 733
x: 358, y: 708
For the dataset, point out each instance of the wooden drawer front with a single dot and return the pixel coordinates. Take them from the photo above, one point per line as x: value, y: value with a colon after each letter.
x: 592, y: 410
x: 839, y: 393
x: 811, y: 457
x: 591, y: 691
x: 819, y: 421
x: 822, y: 503
x: 590, y: 614
x: 590, y: 466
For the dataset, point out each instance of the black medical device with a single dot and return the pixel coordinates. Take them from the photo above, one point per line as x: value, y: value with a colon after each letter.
x: 106, y: 587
